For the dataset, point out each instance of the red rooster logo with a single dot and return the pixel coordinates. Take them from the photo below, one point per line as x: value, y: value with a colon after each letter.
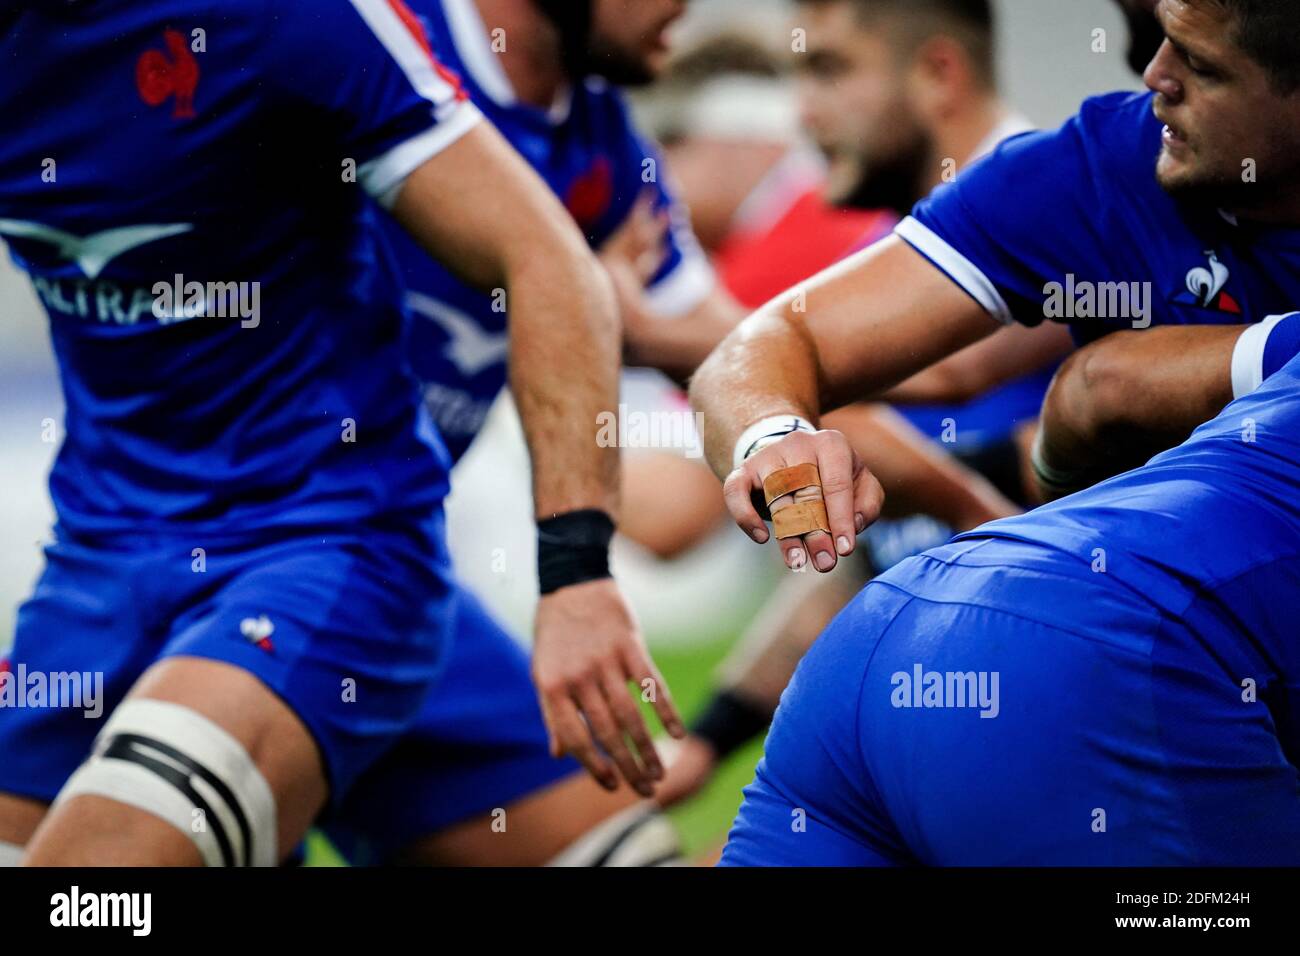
x: 591, y: 193
x: 159, y: 76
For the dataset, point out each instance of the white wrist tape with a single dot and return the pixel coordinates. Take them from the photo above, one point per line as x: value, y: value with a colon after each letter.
x: 1248, y: 356
x: 761, y: 434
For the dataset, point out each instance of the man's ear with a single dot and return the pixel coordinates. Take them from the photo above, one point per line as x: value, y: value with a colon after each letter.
x: 940, y: 77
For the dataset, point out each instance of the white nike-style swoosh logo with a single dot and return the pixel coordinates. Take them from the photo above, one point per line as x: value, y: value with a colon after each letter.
x: 92, y: 253
x: 471, y: 348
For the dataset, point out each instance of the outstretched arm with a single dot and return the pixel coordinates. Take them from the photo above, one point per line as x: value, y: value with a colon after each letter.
x: 850, y: 333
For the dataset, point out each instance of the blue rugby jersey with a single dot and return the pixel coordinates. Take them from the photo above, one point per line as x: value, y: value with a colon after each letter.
x: 1207, y: 533
x: 1072, y: 225
x: 590, y: 154
x: 207, y: 147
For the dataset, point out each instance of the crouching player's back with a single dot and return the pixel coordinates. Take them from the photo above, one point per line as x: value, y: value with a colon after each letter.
x: 1111, y: 679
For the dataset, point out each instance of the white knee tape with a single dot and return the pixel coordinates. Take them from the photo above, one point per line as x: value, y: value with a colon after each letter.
x: 639, y: 836
x: 10, y: 855
x: 171, y: 762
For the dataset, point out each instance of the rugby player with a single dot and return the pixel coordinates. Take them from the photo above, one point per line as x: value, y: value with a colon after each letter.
x: 249, y: 543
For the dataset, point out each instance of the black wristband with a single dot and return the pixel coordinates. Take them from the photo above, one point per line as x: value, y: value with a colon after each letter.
x: 573, y: 548
x: 729, y: 722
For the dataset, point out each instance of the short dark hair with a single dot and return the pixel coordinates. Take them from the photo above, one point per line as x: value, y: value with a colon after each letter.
x: 725, y: 54
x: 971, y: 23
x: 1268, y: 31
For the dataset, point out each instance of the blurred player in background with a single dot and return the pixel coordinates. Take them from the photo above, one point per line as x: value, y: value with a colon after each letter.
x: 249, y: 544
x: 727, y: 115
x: 482, y: 751
x: 531, y: 66
x: 547, y: 74
x: 891, y: 92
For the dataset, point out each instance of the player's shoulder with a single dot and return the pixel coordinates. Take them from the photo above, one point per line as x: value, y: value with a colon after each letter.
x: 1112, y: 133
x: 435, y: 20
x: 1117, y: 120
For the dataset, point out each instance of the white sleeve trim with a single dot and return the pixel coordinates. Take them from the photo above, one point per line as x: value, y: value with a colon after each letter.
x: 383, y: 176
x: 404, y: 47
x: 765, y: 432
x: 469, y: 34
x: 1248, y: 356
x: 957, y: 267
x: 683, y: 289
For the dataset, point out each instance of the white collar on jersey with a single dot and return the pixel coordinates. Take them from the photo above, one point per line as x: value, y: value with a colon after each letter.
x: 470, y: 35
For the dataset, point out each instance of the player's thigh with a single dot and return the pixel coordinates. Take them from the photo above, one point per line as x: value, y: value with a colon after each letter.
x: 284, y: 685
x: 78, y: 647
x: 531, y: 831
x: 476, y: 747
x: 19, y: 818
x: 91, y: 827
x: 274, y: 736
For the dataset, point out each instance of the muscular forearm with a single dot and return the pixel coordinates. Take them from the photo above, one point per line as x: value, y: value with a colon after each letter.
x: 1129, y: 396
x: 768, y: 366
x: 564, y: 328
x: 850, y: 333
x: 564, y: 362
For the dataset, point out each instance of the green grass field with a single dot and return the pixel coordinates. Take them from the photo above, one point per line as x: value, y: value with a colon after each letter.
x: 703, y: 821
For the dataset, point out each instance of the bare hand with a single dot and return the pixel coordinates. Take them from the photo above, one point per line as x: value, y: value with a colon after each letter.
x: 640, y: 244
x: 587, y: 649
